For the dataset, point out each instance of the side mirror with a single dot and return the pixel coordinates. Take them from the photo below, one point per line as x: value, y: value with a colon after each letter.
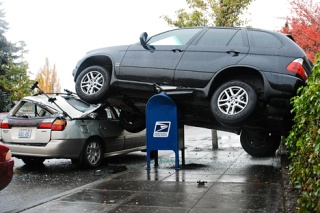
x: 143, y: 42
x: 143, y: 39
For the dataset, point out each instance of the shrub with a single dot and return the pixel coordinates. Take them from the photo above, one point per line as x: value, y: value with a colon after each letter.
x: 303, y: 143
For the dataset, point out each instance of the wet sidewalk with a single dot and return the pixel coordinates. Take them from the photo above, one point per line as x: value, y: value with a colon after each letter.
x: 223, y: 180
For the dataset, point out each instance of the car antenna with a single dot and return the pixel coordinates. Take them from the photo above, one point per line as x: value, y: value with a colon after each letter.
x: 51, y: 100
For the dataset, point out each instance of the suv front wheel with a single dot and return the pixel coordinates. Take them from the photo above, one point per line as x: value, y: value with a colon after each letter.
x: 92, y: 84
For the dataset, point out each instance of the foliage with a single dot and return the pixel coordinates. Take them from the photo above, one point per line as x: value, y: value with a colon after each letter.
x: 5, y: 102
x: 48, y: 79
x: 5, y: 46
x: 3, y: 23
x: 7, y: 49
x: 210, y: 13
x: 303, y: 143
x: 304, y: 25
x: 14, y: 79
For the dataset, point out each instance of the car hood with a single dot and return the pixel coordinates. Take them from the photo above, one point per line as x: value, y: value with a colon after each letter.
x: 108, y: 50
x: 61, y: 105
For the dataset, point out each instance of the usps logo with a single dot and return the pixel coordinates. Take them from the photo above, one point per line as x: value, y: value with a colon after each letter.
x: 161, y: 129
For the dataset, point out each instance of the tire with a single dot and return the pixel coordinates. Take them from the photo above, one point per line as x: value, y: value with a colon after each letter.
x: 259, y: 143
x: 132, y: 122
x: 92, y: 154
x: 233, y: 102
x: 92, y: 85
x: 33, y: 161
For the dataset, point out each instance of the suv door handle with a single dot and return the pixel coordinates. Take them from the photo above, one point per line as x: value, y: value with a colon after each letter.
x: 234, y: 52
x: 177, y: 49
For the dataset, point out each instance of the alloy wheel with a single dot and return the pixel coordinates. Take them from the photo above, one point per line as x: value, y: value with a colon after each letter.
x: 232, y: 100
x: 93, y: 152
x: 92, y: 82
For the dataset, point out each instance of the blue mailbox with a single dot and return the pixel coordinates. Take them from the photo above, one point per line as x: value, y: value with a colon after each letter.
x: 165, y: 129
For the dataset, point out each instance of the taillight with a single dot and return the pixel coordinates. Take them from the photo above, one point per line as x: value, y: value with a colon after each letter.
x: 8, y: 155
x: 45, y: 125
x: 4, y: 124
x: 296, y: 66
x: 57, y: 125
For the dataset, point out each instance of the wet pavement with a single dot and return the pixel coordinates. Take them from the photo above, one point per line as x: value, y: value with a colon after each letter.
x: 223, y: 180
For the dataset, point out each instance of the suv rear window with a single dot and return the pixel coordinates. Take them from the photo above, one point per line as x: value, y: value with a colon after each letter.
x: 263, y: 39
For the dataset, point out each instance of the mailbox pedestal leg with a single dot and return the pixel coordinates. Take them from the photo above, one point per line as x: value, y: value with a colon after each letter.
x: 155, y: 153
x: 148, y: 160
x: 177, y: 159
x: 156, y: 163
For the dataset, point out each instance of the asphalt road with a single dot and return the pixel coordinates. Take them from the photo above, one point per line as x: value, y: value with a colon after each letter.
x: 31, y: 184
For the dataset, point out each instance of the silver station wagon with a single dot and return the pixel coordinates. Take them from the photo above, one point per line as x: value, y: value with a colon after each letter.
x: 63, y: 126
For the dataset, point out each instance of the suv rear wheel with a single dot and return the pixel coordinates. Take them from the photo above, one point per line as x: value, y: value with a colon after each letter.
x: 132, y: 122
x: 233, y: 102
x: 259, y: 142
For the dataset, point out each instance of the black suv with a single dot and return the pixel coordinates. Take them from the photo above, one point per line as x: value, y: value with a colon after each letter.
x: 232, y: 79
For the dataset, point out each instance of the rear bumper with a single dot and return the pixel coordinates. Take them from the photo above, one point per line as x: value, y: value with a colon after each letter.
x: 279, y: 88
x: 277, y: 111
x: 70, y: 148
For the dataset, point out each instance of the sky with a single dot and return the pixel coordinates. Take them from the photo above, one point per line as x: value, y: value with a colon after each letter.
x: 64, y: 30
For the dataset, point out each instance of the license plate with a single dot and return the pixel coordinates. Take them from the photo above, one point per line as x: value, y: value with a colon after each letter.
x: 24, y: 133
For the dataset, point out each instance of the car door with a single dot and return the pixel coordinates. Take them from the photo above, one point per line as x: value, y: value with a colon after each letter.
x: 158, y: 63
x: 111, y: 130
x: 215, y: 50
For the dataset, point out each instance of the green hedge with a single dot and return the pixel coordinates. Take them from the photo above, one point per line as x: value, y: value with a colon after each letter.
x: 303, y: 143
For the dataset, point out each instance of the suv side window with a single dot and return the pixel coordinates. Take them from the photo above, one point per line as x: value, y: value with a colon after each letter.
x: 221, y: 37
x: 263, y: 39
x: 174, y: 37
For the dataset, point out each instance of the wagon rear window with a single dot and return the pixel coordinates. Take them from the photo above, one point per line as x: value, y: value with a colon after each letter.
x: 31, y: 110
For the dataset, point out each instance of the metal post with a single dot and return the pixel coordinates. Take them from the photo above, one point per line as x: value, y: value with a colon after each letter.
x: 214, y: 136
